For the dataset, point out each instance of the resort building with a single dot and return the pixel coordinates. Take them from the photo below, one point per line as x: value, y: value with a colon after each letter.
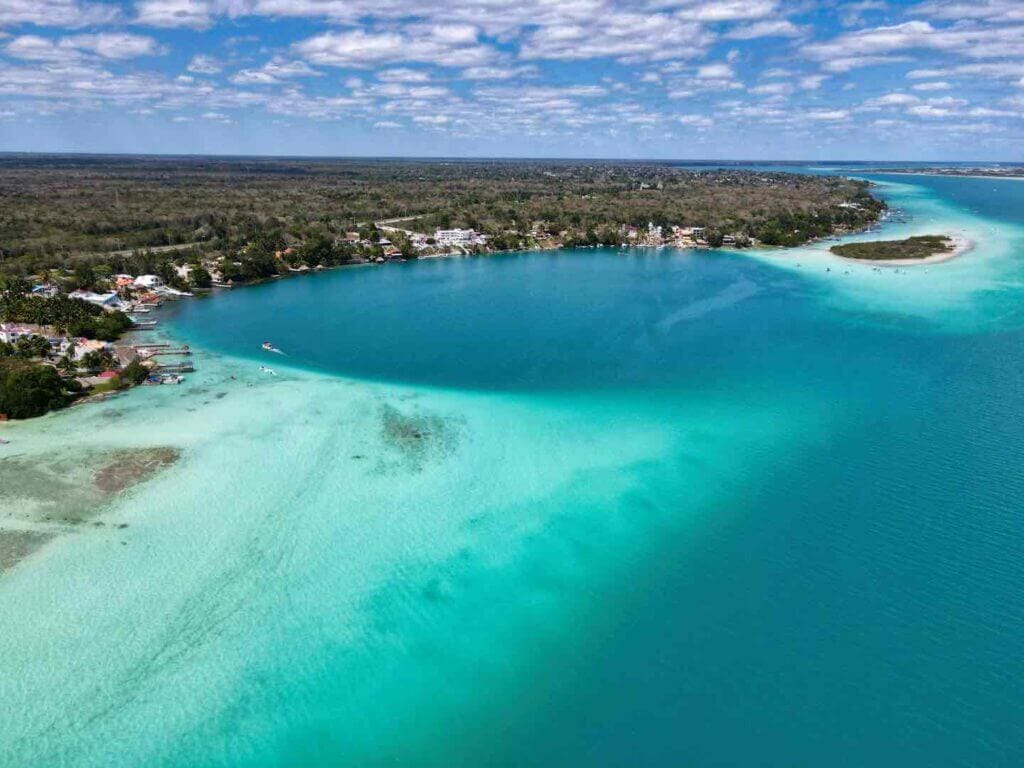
x: 105, y: 300
x: 148, y: 281
x: 455, y: 237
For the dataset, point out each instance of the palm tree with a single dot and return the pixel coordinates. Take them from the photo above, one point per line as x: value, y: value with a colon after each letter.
x: 67, y: 366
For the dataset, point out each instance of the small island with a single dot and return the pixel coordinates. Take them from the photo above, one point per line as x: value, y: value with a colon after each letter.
x: 913, y: 250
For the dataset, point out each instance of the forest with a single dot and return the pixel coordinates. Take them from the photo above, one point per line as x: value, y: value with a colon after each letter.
x: 67, y: 212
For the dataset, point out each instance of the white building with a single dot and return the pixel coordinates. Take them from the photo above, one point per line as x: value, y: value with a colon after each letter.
x: 11, y: 332
x: 148, y: 281
x: 105, y: 300
x: 455, y: 236
x: 85, y: 346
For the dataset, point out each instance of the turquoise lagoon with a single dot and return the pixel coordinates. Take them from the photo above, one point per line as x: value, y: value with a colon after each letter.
x: 577, y: 508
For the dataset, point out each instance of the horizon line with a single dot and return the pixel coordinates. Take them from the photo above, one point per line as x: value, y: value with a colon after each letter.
x: 491, y: 158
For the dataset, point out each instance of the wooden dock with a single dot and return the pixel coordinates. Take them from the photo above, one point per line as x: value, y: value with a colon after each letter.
x: 175, y: 368
x: 153, y: 350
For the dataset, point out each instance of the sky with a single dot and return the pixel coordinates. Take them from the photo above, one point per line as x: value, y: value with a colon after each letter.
x: 661, y: 79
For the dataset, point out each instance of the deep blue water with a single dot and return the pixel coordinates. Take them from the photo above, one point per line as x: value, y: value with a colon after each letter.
x: 860, y: 598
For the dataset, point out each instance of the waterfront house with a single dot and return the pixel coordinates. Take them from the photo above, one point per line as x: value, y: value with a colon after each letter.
x: 105, y: 300
x: 148, y: 281
x: 449, y: 237
x: 85, y: 346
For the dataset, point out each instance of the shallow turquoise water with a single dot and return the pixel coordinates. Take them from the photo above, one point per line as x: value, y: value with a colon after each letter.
x: 601, y: 508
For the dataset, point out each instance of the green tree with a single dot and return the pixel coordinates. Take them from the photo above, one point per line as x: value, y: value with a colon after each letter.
x: 201, y: 277
x: 32, y: 346
x: 98, y: 360
x: 67, y: 366
x: 28, y: 390
x: 133, y: 373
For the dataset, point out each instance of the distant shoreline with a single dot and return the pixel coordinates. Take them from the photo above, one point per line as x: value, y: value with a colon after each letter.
x: 954, y: 175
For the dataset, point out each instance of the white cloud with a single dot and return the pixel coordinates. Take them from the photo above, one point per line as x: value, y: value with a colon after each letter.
x: 403, y: 75
x: 406, y: 91
x: 217, y: 117
x: 497, y: 73
x: 722, y: 10
x: 628, y: 37
x: 928, y: 110
x: 115, y: 45
x: 715, y: 72
x: 987, y: 69
x: 982, y: 10
x: 202, y: 64
x: 197, y: 14
x: 895, y: 99
x: 432, y: 119
x: 274, y: 72
x: 772, y: 89
x: 69, y: 49
x: 933, y: 86
x: 812, y: 82
x: 56, y: 13
x: 828, y: 115
x: 776, y: 28
x: 848, y: 63
x: 876, y: 45
x: 696, y: 121
x: 444, y: 45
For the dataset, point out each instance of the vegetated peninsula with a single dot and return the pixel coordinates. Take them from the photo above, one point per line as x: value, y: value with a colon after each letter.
x: 88, y: 244
x: 922, y: 248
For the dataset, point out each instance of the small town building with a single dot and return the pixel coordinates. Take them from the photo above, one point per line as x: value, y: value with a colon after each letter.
x: 148, y: 281
x: 85, y: 346
x: 455, y: 236
x: 45, y: 290
x: 105, y: 300
x: 11, y: 332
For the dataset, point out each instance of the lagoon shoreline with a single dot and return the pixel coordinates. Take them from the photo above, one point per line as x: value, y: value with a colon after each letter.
x: 323, y: 576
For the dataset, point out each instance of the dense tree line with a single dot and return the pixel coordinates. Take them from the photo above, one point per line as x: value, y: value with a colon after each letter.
x: 61, y: 210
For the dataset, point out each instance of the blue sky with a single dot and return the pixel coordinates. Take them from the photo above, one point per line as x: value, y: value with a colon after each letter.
x: 752, y: 79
